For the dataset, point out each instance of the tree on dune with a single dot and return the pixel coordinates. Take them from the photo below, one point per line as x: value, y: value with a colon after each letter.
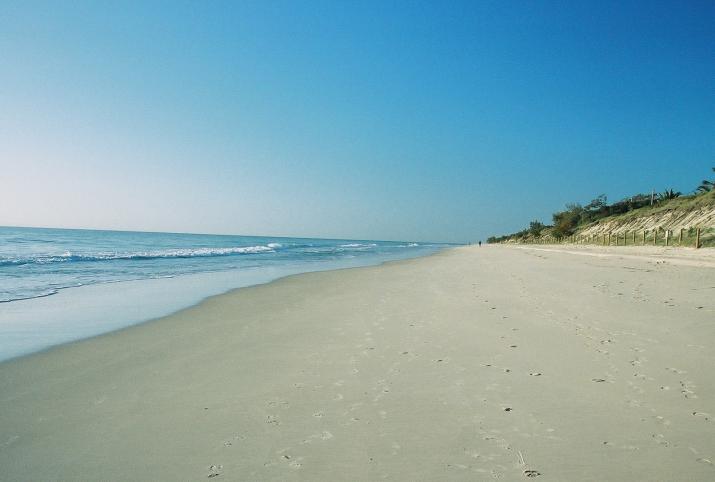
x: 669, y: 194
x: 706, y: 186
x: 565, y: 222
x: 535, y: 227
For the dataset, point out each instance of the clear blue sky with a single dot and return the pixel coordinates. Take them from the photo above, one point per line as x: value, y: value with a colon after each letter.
x: 445, y: 121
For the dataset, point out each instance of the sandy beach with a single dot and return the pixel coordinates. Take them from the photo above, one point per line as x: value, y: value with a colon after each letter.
x: 476, y: 363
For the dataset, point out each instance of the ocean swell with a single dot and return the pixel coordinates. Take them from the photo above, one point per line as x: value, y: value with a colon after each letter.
x: 69, y: 257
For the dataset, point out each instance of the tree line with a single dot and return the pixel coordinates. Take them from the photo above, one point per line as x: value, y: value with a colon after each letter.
x: 566, y: 222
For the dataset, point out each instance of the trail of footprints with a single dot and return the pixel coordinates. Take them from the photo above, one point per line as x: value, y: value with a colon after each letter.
x: 604, y: 342
x: 595, y: 338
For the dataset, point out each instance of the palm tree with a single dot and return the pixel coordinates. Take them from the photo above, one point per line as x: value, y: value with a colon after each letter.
x: 706, y: 186
x: 669, y: 194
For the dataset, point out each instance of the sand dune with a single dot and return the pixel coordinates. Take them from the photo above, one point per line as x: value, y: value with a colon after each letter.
x: 476, y: 363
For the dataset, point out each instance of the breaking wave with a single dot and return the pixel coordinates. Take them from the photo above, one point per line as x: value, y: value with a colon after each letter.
x: 358, y: 245
x: 68, y: 257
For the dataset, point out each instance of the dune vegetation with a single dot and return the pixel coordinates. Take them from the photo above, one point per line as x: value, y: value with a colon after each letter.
x: 671, y: 212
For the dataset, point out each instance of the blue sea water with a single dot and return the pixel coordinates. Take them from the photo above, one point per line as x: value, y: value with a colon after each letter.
x: 59, y: 285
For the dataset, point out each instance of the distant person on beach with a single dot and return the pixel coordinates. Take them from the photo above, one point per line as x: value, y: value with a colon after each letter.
x: 480, y: 244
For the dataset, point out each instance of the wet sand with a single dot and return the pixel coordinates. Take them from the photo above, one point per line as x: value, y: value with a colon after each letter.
x: 476, y: 363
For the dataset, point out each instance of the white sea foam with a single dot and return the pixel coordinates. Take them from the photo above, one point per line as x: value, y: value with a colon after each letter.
x: 47, y: 267
x: 68, y: 256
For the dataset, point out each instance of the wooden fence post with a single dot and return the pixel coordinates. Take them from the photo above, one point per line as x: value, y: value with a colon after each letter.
x: 634, y: 238
x: 645, y: 231
x: 667, y: 236
x: 680, y: 237
x: 697, y: 238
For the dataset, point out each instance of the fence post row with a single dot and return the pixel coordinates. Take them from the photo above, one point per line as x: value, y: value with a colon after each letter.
x: 610, y: 238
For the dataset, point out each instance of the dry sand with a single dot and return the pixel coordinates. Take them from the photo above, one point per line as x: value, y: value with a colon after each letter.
x: 476, y: 363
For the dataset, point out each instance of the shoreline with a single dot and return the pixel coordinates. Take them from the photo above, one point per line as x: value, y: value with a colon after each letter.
x: 163, y: 311
x: 470, y: 362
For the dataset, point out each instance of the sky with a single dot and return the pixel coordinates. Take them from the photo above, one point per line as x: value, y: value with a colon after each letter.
x: 426, y: 121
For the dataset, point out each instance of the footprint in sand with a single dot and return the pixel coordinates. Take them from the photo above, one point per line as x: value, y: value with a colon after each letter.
x: 638, y: 361
x: 278, y: 403
x: 704, y: 415
x: 687, y: 387
x: 238, y: 438
x: 642, y: 377
x: 661, y: 420
x: 215, y: 471
x: 659, y: 438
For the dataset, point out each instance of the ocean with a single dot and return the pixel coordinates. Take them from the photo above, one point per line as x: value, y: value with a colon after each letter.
x: 61, y: 285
